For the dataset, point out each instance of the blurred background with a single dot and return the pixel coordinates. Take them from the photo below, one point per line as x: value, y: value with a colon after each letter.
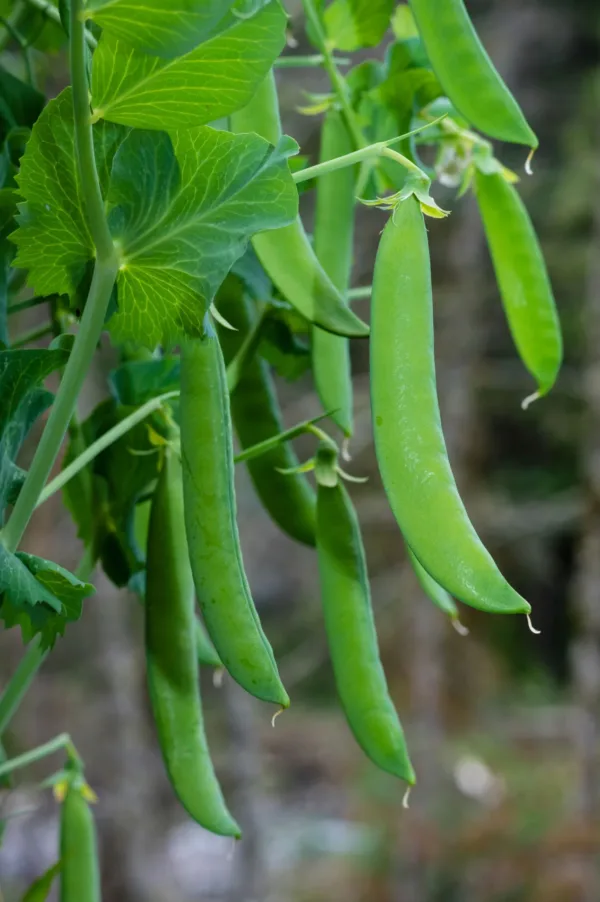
x: 504, y: 725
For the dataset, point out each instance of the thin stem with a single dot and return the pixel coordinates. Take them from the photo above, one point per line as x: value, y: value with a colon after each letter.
x: 357, y: 294
x: 13, y: 32
x: 101, y: 444
x: 52, y: 13
x: 308, y: 62
x: 32, y: 335
x: 245, y: 353
x: 270, y: 443
x: 86, y: 565
x: 32, y: 302
x: 63, y: 741
x: 20, y: 681
x: 404, y: 161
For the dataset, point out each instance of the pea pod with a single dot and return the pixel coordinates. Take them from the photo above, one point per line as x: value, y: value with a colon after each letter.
x: 287, y: 254
x: 351, y: 634
x: 333, y: 240
x: 80, y: 874
x: 467, y: 74
x: 409, y: 442
x: 522, y: 278
x: 210, y: 520
x: 438, y: 595
x: 289, y: 499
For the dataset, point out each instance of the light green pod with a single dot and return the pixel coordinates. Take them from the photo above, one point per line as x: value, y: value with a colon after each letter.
x: 171, y: 658
x: 467, y: 74
x: 287, y: 254
x: 351, y: 635
x: 333, y: 242
x: 436, y: 593
x: 80, y: 873
x: 210, y: 519
x: 409, y: 442
x: 522, y: 278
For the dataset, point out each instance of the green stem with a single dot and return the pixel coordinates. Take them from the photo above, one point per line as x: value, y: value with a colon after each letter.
x: 357, y: 294
x: 404, y: 161
x: 52, y: 13
x: 246, y: 352
x: 270, y: 443
x: 32, y: 335
x: 308, y: 62
x: 20, y: 681
x: 32, y: 302
x: 85, y: 567
x: 63, y: 741
x: 101, y: 444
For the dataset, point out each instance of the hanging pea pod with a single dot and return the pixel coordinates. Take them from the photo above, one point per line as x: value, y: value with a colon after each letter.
x: 350, y: 626
x: 522, y: 278
x: 256, y: 416
x: 210, y: 520
x: 409, y: 442
x: 80, y: 873
x: 287, y: 254
x: 171, y: 658
x: 333, y: 240
x: 437, y: 594
x: 467, y: 74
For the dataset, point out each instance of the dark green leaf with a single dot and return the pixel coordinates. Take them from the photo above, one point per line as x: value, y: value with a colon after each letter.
x: 280, y: 345
x: 136, y: 382
x: 40, y: 888
x: 20, y: 104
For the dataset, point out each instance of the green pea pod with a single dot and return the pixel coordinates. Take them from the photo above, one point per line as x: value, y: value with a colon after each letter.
x: 205, y: 650
x: 289, y: 500
x: 333, y: 241
x: 171, y: 658
x: 522, y: 278
x: 287, y: 254
x: 467, y: 74
x: 210, y: 520
x: 80, y: 874
x: 438, y: 595
x: 351, y: 634
x: 409, y: 442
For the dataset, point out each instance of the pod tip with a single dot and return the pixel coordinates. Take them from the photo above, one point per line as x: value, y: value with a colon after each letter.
x: 531, y: 626
x: 528, y: 401
x: 460, y: 628
x: 406, y: 797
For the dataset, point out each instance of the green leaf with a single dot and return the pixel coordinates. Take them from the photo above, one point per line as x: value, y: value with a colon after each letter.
x: 39, y: 596
x: 352, y: 24
x: 136, y: 382
x: 40, y: 888
x: 20, y: 104
x: 53, y: 240
x: 182, y: 214
x: 216, y: 79
x: 166, y: 29
x: 280, y: 345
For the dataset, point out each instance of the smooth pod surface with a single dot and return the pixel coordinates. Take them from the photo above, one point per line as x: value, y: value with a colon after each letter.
x: 333, y: 243
x: 351, y: 635
x: 80, y: 873
x: 171, y: 658
x: 436, y: 593
x: 522, y: 278
x: 466, y: 72
x: 287, y: 254
x: 409, y: 442
x: 289, y: 499
x: 211, y: 527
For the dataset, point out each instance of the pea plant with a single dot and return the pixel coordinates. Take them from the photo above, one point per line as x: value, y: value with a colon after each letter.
x: 156, y: 199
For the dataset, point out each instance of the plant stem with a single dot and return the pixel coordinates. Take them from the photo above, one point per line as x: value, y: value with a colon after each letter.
x: 357, y: 294
x: 32, y: 302
x: 52, y: 12
x: 92, y: 322
x: 270, y: 443
x: 63, y: 741
x: 308, y: 62
x: 32, y: 335
x: 246, y: 352
x: 20, y: 681
x: 404, y: 161
x: 101, y: 444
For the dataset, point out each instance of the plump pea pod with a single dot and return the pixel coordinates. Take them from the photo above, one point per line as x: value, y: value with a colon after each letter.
x: 80, y: 874
x: 210, y: 520
x: 467, y: 74
x: 289, y: 499
x: 171, y: 658
x: 287, y: 254
x: 333, y: 240
x: 438, y: 595
x: 522, y: 278
x: 351, y: 634
x: 409, y: 442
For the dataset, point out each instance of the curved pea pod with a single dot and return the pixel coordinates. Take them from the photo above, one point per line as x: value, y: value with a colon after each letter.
x: 522, y: 278
x: 289, y: 499
x: 80, y: 873
x: 436, y: 593
x: 205, y: 650
x: 467, y: 74
x: 351, y: 635
x: 210, y: 520
x: 287, y: 254
x: 409, y: 442
x: 171, y: 658
x: 333, y: 240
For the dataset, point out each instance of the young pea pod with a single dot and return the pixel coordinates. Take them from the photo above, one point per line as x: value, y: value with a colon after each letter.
x: 287, y: 254
x: 467, y: 74
x: 333, y: 240
x: 436, y: 593
x: 210, y: 520
x: 409, y: 442
x: 522, y: 278
x: 289, y: 499
x: 80, y: 874
x: 205, y: 650
x: 171, y: 658
x: 351, y: 634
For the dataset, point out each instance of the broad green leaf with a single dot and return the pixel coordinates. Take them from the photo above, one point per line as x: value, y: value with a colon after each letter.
x: 53, y: 240
x: 40, y: 888
x: 39, y: 596
x: 20, y: 104
x: 352, y: 24
x: 216, y: 79
x: 166, y: 29
x: 183, y: 213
